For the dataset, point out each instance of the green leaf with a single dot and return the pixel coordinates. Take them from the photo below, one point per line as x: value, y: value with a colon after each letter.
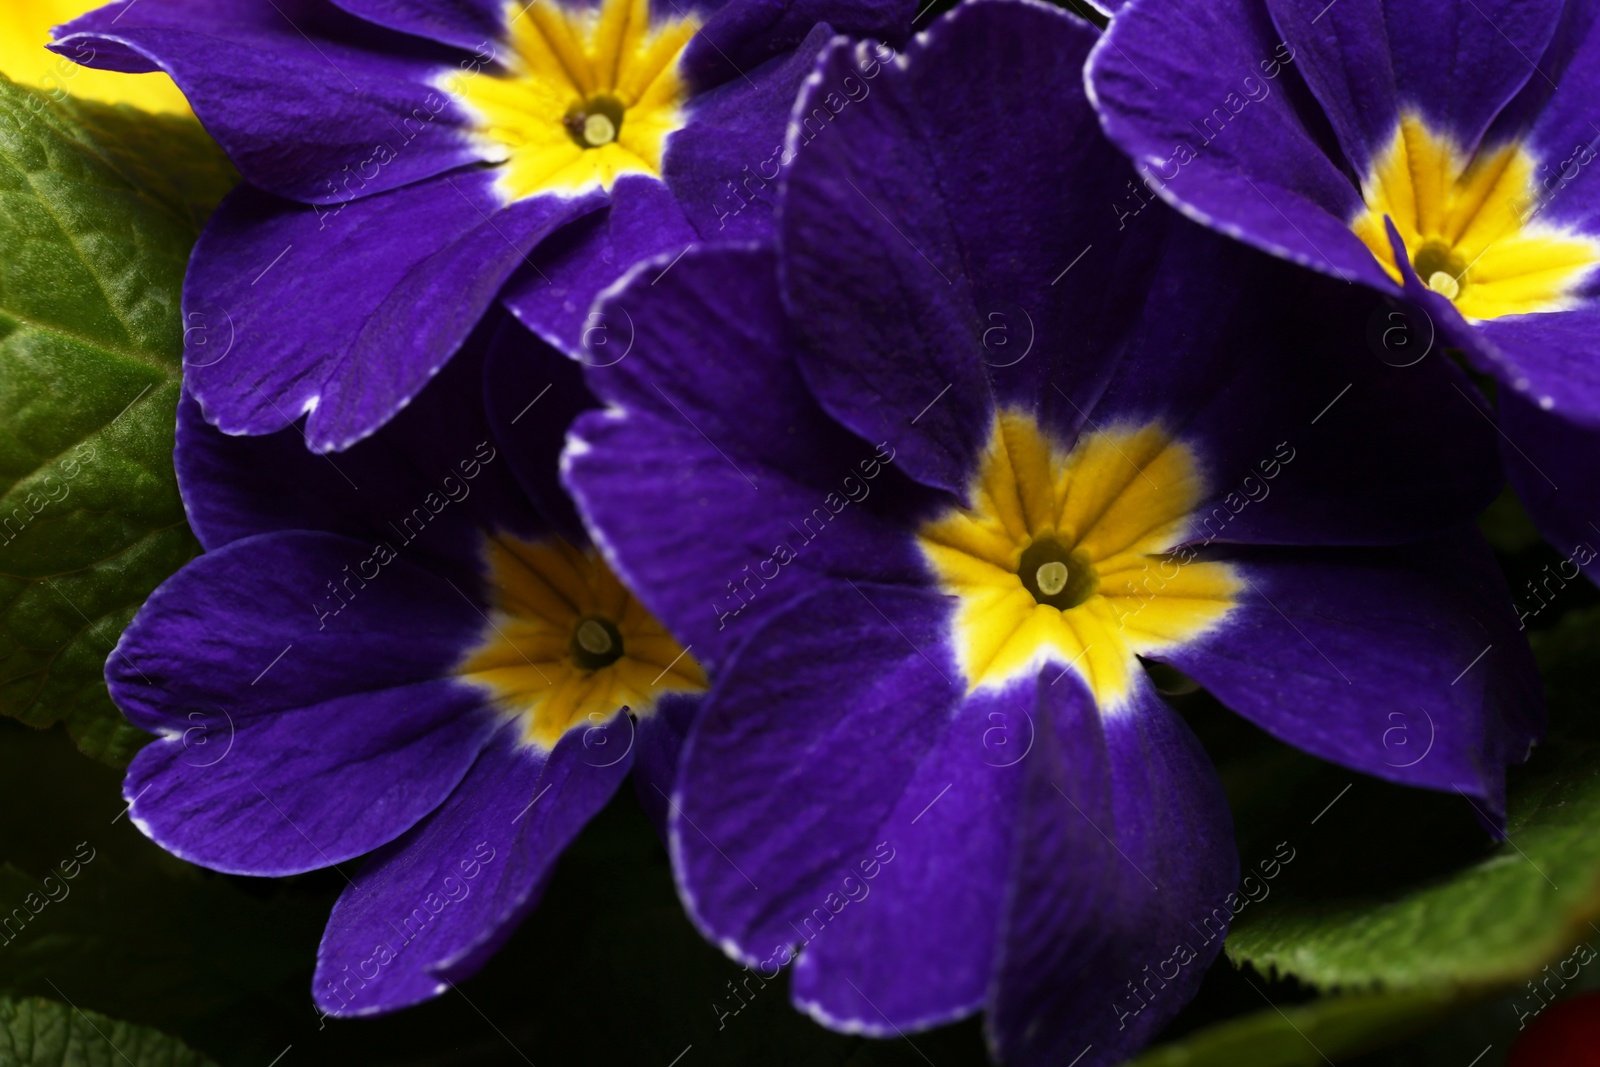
x: 41, y: 1033
x: 1306, y: 1035
x: 1402, y: 890
x: 99, y: 206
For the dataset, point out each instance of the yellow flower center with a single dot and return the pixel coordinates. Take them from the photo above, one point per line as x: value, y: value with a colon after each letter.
x: 566, y: 645
x: 1473, y: 228
x: 588, y: 95
x: 1068, y: 557
x: 25, y: 30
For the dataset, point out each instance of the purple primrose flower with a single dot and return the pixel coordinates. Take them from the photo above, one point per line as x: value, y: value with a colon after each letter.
x: 946, y: 468
x: 408, y: 650
x: 407, y: 162
x: 1431, y: 149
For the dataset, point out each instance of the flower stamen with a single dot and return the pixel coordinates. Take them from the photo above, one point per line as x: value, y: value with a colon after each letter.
x: 567, y: 645
x: 1068, y: 555
x: 1471, y: 227
x: 581, y: 97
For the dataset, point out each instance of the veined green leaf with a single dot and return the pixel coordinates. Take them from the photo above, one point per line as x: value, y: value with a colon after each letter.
x: 99, y: 206
x: 1482, y: 915
x: 42, y: 1033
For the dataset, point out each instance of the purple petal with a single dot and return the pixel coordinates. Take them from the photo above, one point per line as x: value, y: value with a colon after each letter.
x: 1552, y: 117
x: 303, y: 97
x: 552, y: 295
x: 1123, y: 868
x: 790, y: 495
x: 1571, y: 37
x: 1458, y: 64
x: 469, y: 24
x: 532, y: 395
x: 724, y: 166
x: 1538, y: 355
x: 744, y: 34
x: 430, y: 908
x: 269, y: 699
x: 1208, y: 101
x: 1548, y: 358
x: 898, y: 254
x: 431, y: 481
x: 772, y: 810
x: 866, y: 969
x: 898, y: 887
x: 655, y: 754
x: 1553, y: 469
x: 347, y: 312
x: 1370, y: 381
x: 1545, y: 356
x: 1402, y: 663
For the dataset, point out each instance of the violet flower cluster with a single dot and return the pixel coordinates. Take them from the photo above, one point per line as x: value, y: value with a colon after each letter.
x: 838, y: 429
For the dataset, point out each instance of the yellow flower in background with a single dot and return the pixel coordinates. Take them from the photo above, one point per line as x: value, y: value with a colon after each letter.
x: 25, y: 30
